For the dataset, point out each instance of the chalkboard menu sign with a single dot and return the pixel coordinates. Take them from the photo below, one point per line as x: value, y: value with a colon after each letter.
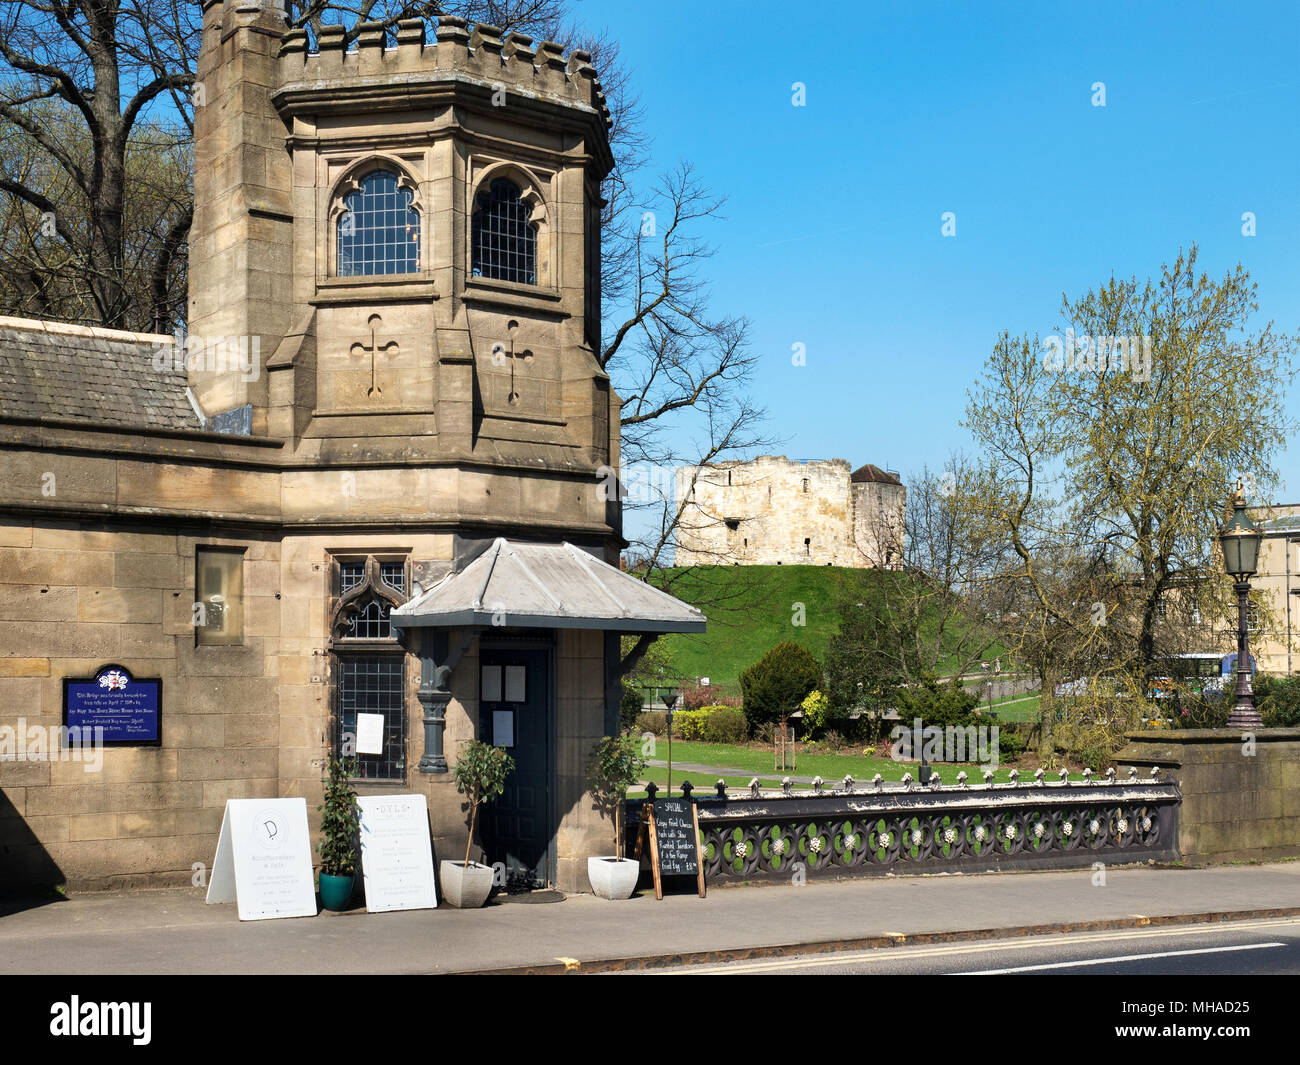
x: 673, y: 828
x: 675, y: 833
x: 127, y: 708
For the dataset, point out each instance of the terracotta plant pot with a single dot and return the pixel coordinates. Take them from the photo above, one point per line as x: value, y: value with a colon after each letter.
x: 336, y: 891
x: 466, y: 887
x: 613, y: 878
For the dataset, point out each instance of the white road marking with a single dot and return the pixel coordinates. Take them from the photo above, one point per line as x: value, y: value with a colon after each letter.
x: 987, y: 946
x: 1118, y: 960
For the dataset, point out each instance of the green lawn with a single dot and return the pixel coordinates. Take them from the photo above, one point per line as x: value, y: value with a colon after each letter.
x: 751, y: 609
x: 1017, y: 708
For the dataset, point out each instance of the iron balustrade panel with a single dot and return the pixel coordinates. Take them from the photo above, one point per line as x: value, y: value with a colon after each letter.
x: 933, y: 830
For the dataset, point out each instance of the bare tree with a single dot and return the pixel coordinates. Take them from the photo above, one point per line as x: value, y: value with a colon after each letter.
x: 681, y: 371
x: 80, y: 92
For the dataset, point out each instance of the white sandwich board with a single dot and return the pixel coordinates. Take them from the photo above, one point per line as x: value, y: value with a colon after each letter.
x: 396, y: 854
x: 263, y: 859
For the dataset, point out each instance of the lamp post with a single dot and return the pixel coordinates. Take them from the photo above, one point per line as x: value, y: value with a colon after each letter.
x: 1240, y: 541
x: 669, y: 702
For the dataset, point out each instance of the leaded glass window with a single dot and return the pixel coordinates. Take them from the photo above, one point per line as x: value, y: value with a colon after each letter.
x: 350, y: 575
x: 394, y: 575
x: 375, y: 684
x: 379, y: 230
x: 370, y: 622
x: 504, y: 240
x: 369, y: 663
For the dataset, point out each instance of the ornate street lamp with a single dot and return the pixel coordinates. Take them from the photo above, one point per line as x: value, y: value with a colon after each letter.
x: 669, y: 702
x: 1240, y: 541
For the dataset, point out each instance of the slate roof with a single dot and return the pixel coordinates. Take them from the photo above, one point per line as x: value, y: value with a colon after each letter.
x: 53, y: 370
x: 873, y: 473
x: 546, y: 586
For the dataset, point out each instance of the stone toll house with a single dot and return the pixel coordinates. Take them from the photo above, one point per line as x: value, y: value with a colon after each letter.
x: 390, y: 378
x: 772, y: 511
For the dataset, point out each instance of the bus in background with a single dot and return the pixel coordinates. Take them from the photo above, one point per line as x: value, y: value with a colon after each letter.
x: 1202, y: 674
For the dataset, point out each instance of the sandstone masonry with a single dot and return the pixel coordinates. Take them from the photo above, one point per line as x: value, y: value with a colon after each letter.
x: 773, y: 511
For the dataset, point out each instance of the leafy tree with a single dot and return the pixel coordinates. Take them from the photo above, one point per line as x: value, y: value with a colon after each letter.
x: 480, y: 776
x: 936, y: 702
x: 928, y: 618
x: 1107, y: 456
x: 613, y: 767
x: 777, y: 683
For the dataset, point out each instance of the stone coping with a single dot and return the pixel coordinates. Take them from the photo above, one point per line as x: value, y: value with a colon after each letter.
x: 1213, y: 735
x: 36, y: 325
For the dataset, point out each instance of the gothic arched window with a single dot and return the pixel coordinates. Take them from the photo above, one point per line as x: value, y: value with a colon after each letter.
x: 369, y: 662
x: 504, y: 237
x: 379, y: 230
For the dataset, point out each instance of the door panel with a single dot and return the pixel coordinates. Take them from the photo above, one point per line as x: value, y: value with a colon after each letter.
x: 517, y: 825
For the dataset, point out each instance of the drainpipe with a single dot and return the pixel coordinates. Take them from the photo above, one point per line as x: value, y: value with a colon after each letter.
x: 1290, y: 541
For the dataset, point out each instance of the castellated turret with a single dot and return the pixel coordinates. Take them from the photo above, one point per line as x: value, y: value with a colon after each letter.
x: 404, y: 237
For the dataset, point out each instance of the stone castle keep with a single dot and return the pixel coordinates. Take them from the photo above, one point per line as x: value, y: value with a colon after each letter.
x: 366, y: 485
x: 772, y: 511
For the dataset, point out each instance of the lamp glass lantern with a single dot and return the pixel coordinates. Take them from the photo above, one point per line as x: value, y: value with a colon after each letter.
x: 1240, y: 540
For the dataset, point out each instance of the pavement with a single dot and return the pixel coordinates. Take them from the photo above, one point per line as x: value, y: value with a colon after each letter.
x: 175, y: 931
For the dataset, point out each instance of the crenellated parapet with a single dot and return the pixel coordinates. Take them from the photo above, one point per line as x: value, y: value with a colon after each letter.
x: 482, y: 56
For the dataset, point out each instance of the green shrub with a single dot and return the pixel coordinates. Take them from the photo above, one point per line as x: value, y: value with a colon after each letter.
x: 724, y: 724
x: 1278, y: 700
x: 629, y: 709
x: 1200, y: 711
x: 775, y: 685
x: 816, y: 712
x: 340, y: 820
x: 1096, y: 758
x: 1011, y: 745
x: 710, y: 724
x: 654, y: 722
x: 937, y: 703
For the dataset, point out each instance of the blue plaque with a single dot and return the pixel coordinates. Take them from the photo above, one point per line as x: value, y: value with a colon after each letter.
x: 127, y: 708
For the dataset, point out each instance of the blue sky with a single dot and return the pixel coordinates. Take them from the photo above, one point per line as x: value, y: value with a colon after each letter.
x: 832, y: 233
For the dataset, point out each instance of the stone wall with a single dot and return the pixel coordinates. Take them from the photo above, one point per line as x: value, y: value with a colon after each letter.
x: 74, y: 598
x: 773, y: 511
x: 247, y: 721
x: 1241, y: 799
x: 878, y: 523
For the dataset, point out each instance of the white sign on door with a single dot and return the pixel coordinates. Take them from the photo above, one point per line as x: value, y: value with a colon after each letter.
x: 263, y: 859
x: 396, y: 854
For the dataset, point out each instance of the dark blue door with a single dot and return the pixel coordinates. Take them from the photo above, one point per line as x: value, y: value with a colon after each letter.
x: 515, y: 702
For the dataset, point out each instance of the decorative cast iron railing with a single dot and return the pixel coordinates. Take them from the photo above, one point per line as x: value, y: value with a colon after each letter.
x: 853, y: 829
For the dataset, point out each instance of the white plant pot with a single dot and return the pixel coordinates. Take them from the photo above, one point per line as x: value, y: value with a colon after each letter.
x: 465, y: 886
x: 613, y: 878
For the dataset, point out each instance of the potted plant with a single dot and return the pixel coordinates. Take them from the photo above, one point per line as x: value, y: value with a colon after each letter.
x: 614, y: 766
x: 339, y: 825
x: 480, y: 775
